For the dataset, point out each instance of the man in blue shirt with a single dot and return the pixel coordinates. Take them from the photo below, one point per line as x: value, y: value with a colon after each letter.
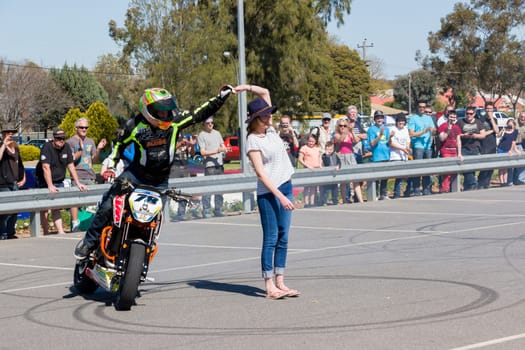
x: 378, y: 136
x: 421, y: 127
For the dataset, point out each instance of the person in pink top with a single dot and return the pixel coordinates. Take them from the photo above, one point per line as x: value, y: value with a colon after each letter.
x: 310, y: 158
x: 344, y: 139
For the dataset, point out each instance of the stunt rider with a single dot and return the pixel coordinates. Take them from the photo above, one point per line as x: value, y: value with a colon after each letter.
x: 152, y: 135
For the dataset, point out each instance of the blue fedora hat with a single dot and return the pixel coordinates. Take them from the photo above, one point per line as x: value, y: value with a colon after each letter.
x: 257, y: 108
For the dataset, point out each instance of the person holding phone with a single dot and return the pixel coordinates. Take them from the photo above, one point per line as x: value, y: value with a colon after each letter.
x: 449, y: 135
x: 289, y: 137
x: 12, y: 176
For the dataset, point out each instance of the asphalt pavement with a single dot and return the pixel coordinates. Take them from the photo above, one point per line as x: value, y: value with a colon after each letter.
x: 432, y: 272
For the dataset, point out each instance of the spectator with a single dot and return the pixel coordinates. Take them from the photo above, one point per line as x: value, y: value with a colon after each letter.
x: 274, y: 190
x: 212, y: 148
x: 449, y: 135
x: 310, y: 158
x: 290, y: 138
x: 325, y: 131
x: 359, y: 149
x: 330, y: 159
x: 420, y: 128
x: 108, y: 173
x: 378, y: 136
x: 12, y: 176
x: 517, y: 173
x: 50, y: 172
x: 507, y: 144
x: 444, y: 117
x: 359, y: 132
x: 85, y: 153
x: 399, y: 147
x: 488, y: 143
x: 179, y: 169
x: 344, y: 144
x: 472, y: 131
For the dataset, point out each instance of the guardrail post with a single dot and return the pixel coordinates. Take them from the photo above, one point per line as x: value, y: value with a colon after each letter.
x: 247, y: 200
x: 34, y: 223
x: 371, y: 192
x: 454, y: 183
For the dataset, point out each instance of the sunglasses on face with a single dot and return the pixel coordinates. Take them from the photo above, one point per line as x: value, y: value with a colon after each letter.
x: 59, y: 138
x: 470, y: 113
x: 83, y: 127
x: 343, y: 126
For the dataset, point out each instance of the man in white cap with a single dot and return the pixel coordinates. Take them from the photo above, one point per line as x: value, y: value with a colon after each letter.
x: 212, y: 149
x: 325, y: 131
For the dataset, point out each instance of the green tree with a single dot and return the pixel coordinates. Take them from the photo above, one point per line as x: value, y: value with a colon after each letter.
x: 101, y: 123
x: 477, y: 48
x: 80, y: 85
x: 352, y: 78
x: 122, y: 85
x: 423, y: 87
x: 31, y: 98
x: 179, y: 45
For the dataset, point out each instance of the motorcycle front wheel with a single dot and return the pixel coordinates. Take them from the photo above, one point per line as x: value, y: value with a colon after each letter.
x: 83, y: 284
x: 129, y: 284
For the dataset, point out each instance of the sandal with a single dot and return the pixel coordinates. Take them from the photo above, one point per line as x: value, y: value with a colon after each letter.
x: 278, y: 294
x: 291, y: 292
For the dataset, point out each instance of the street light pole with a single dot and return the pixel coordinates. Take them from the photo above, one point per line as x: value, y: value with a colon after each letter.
x: 247, y: 197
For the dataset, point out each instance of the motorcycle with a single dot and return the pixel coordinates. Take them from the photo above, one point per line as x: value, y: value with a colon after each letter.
x: 128, y: 245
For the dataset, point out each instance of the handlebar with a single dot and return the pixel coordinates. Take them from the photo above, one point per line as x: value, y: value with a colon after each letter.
x: 177, y: 195
x: 125, y: 186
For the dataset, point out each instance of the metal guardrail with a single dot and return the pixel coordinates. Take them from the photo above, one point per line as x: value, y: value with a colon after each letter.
x: 36, y: 200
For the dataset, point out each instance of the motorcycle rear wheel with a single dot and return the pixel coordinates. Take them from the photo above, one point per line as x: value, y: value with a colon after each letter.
x: 83, y: 284
x: 129, y: 284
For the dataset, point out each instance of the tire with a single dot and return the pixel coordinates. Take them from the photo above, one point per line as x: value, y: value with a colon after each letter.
x: 129, y: 284
x: 83, y: 284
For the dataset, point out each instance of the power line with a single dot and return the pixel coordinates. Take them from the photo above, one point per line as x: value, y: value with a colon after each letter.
x: 50, y: 68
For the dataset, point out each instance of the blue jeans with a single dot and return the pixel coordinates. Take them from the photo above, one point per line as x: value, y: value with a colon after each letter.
x: 8, y: 221
x: 414, y: 183
x: 275, y: 221
x: 469, y: 179
x: 104, y: 213
x: 219, y: 199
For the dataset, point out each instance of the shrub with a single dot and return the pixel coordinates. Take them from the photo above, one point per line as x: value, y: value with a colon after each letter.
x: 29, y: 152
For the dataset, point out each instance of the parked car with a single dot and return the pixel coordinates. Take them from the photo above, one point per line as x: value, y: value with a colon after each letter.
x: 36, y: 142
x: 232, y: 146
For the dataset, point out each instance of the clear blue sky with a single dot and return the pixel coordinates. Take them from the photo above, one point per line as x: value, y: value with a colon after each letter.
x: 53, y: 32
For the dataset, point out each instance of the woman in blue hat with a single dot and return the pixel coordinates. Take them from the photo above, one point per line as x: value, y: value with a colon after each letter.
x: 274, y: 170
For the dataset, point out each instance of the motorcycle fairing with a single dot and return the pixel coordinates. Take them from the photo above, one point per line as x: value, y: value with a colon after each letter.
x: 145, y: 204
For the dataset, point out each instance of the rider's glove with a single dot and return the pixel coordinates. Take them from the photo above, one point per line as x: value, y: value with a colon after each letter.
x: 225, y: 91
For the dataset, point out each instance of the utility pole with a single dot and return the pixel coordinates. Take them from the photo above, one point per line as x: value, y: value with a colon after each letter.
x: 409, y: 94
x: 364, y: 46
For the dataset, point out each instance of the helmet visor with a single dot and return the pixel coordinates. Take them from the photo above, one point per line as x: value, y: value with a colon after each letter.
x: 168, y: 105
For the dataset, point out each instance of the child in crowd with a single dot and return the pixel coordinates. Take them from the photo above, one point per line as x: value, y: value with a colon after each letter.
x: 330, y: 158
x: 507, y: 144
x: 310, y: 157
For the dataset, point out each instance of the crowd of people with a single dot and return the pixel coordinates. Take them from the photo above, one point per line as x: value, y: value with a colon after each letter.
x: 420, y: 136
